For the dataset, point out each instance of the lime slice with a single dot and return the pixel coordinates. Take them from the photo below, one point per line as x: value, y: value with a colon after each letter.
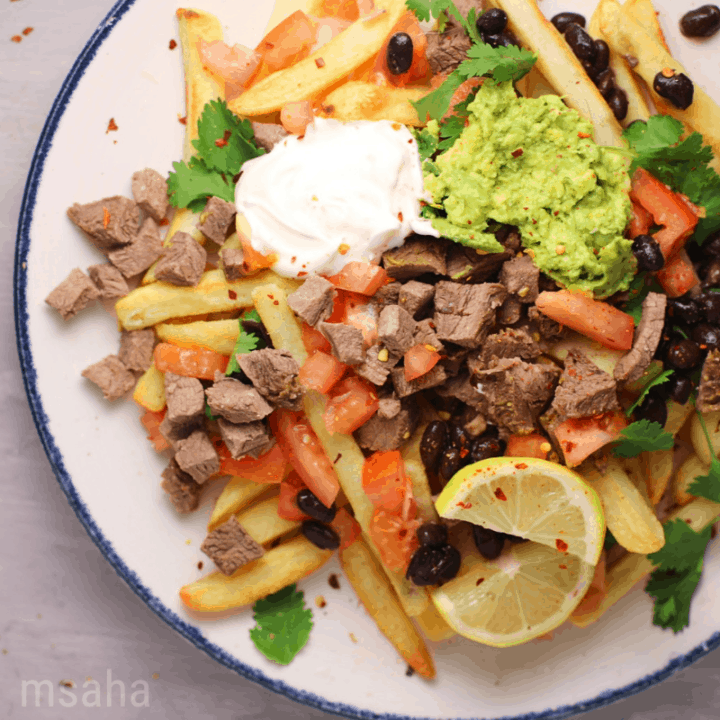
x: 528, y: 591
x: 534, y: 499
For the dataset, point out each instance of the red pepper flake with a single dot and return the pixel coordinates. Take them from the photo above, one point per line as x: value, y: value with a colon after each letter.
x: 16, y: 38
x: 106, y: 218
x: 561, y: 545
x: 319, y: 62
x: 400, y: 216
x: 464, y: 505
x: 479, y: 581
x: 232, y: 294
x: 517, y: 153
x: 172, y: 45
x: 563, y: 567
x: 333, y: 582
x: 164, y: 221
x: 182, y: 119
x: 293, y: 258
x: 556, y: 213
x: 583, y: 135
x: 276, y: 302
x: 200, y: 565
x: 521, y: 466
x: 464, y: 452
x: 28, y: 30
x: 302, y: 274
x: 112, y: 126
x: 500, y: 495
x: 534, y: 221
x: 223, y: 141
x: 272, y: 297
x: 568, y: 446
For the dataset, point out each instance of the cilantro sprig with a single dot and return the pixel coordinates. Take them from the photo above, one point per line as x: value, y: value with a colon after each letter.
x: 659, y: 380
x: 707, y: 486
x: 642, y: 436
x: 282, y: 625
x: 246, y: 342
x: 224, y: 144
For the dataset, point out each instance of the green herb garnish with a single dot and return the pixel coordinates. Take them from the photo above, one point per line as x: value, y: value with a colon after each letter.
x: 643, y: 436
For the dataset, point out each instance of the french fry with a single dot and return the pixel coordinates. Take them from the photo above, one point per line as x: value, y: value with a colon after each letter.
x: 686, y: 474
x: 677, y: 416
x: 150, y: 390
x: 559, y: 65
x: 624, y: 78
x: 534, y: 84
x: 433, y: 625
x: 278, y: 318
x: 263, y: 523
x: 217, y: 335
x: 628, y: 513
x: 306, y: 80
x: 366, y: 575
x: 631, y: 569
x: 152, y: 304
x: 236, y: 495
x: 415, y: 470
x: 359, y: 100
x: 658, y: 471
x: 287, y: 563
x: 697, y: 435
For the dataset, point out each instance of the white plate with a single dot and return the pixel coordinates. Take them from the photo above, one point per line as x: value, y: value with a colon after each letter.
x: 111, y: 475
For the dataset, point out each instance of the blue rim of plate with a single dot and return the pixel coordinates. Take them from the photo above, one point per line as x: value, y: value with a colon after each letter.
x: 41, y: 420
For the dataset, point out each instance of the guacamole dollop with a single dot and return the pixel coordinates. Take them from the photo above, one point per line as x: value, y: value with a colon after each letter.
x: 533, y: 163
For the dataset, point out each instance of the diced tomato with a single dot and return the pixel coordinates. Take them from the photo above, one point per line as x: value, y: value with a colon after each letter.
x: 532, y: 446
x: 271, y: 467
x: 287, y: 505
x: 419, y: 360
x: 296, y: 116
x: 288, y: 42
x: 395, y: 538
x: 461, y: 94
x: 641, y: 221
x: 360, y: 277
x: 314, y: 340
x: 384, y: 480
x: 151, y: 420
x: 419, y: 68
x: 341, y: 9
x: 581, y: 437
x: 361, y: 314
x: 678, y: 276
x: 302, y: 447
x: 595, y: 319
x: 346, y: 527
x: 254, y: 261
x: 352, y: 404
x: 321, y: 371
x: 667, y: 208
x: 197, y: 362
x: 236, y: 65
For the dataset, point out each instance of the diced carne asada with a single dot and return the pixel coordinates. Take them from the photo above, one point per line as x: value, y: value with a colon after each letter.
x: 396, y: 328
x: 382, y: 434
x: 472, y: 421
x: 185, y: 398
x: 387, y: 295
x: 584, y: 390
x: 425, y: 334
x: 378, y: 363
x: 141, y: 253
x: 110, y: 223
x: 463, y: 388
x: 73, y: 294
x: 183, y: 491
x: 510, y: 312
x: 346, y: 342
x: 111, y: 376
x: 647, y: 338
x: 467, y: 265
x: 268, y: 135
x: 197, y: 457
x: 508, y: 343
x: 445, y: 51
x: 313, y: 300
x: 150, y: 190
x: 454, y: 358
x: 217, y: 219
x: 547, y: 329
x: 419, y: 254
x: 233, y: 263
x: 109, y: 281
x: 516, y: 393
x: 274, y: 373
x: 465, y: 314
x: 252, y: 438
x: 708, y: 399
x: 389, y: 406
x: 236, y: 402
x: 231, y: 547
x: 136, y: 349
x: 403, y: 388
x: 415, y: 297
x: 182, y: 262
x: 521, y: 277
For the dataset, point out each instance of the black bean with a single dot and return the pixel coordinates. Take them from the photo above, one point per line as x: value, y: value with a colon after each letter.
x: 487, y: 446
x: 589, y: 69
x: 647, y: 252
x: 563, y: 19
x: 683, y: 354
x: 652, y: 408
x: 710, y: 304
x: 684, y: 309
x: 703, y: 22
x: 712, y: 275
x: 707, y: 336
x: 677, y: 88
x: 580, y: 42
x: 399, y: 53
x: 492, y: 22
x: 448, y: 567
x: 450, y: 462
x: 457, y: 437
x: 602, y: 57
x: 430, y: 566
x: 308, y: 502
x: 432, y: 534
x: 605, y: 82
x: 323, y: 536
x: 253, y: 326
x: 680, y: 387
x: 433, y: 441
x: 488, y: 542
x: 619, y: 103
x: 504, y: 39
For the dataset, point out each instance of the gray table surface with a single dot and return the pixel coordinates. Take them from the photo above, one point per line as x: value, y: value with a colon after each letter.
x: 64, y: 613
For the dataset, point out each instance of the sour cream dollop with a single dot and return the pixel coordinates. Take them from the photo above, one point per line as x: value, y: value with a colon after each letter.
x: 344, y: 191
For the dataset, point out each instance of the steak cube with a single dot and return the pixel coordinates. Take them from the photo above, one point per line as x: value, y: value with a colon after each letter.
x: 183, y: 491
x: 396, y: 328
x: 109, y: 281
x: 217, y: 219
x: 141, y: 253
x: 233, y: 263
x: 197, y: 456
x: 185, y: 399
x: 313, y: 300
x: 231, y: 547
x: 182, y: 262
x: 111, y: 376
x: 433, y: 378
x: 521, y: 277
x: 383, y: 434
x: 346, y: 342
x: 274, y: 373
x: 110, y: 223
x: 584, y: 390
x: 415, y: 297
x: 377, y: 364
x: 150, y: 190
x: 418, y: 255
x: 136, y: 349
x: 708, y: 399
x: 236, y: 402
x: 73, y: 294
x: 251, y: 438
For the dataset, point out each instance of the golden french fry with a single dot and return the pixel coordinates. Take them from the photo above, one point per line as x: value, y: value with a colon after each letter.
x: 631, y: 569
x: 217, y: 335
x: 686, y: 474
x: 287, y: 563
x: 271, y: 304
x: 534, y: 84
x: 628, y: 513
x: 415, y: 470
x: 433, y: 625
x: 150, y: 390
x: 263, y: 523
x: 658, y: 471
x: 677, y: 416
x: 236, y: 495
x: 563, y: 70
x: 155, y: 303
x: 366, y: 575
x: 699, y: 441
x: 307, y: 79
x: 359, y: 100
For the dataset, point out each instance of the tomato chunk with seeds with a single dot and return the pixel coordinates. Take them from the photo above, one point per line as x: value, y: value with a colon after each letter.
x: 321, y: 371
x: 678, y: 276
x: 151, y: 420
x: 420, y: 360
x: 314, y: 340
x: 271, y: 467
x: 352, y: 404
x: 360, y: 277
x: 531, y: 446
x: 395, y: 538
x: 641, y: 221
x: 581, y: 437
x: 287, y: 501
x: 347, y: 528
x: 384, y: 480
x: 197, y: 362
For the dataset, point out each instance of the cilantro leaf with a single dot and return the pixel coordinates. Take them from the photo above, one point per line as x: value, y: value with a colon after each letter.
x: 245, y: 343
x: 659, y: 380
x: 450, y: 130
x: 707, y: 486
x: 503, y: 63
x: 427, y: 143
x: 658, y: 133
x: 283, y: 625
x: 253, y: 315
x: 209, y: 413
x: 193, y: 183
x: 641, y: 436
x: 679, y: 568
x: 609, y: 541
x: 436, y: 104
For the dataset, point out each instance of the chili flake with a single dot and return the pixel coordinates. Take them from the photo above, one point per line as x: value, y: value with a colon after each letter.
x: 561, y: 545
x: 172, y: 45
x: 106, y: 218
x: 112, y: 126
x: 500, y: 495
x: 319, y: 62
x: 182, y: 119
x: 232, y: 294
x: 517, y: 153
x: 16, y: 38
